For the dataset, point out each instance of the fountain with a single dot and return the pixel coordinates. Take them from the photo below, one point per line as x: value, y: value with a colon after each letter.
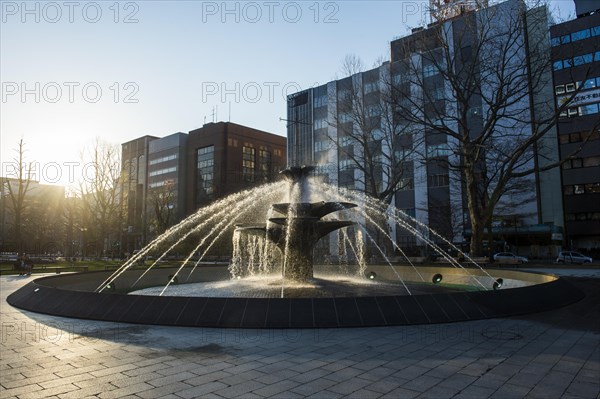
x: 274, y: 281
x: 296, y: 234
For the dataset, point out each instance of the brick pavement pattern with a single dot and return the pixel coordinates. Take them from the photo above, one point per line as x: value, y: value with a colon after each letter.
x: 50, y: 357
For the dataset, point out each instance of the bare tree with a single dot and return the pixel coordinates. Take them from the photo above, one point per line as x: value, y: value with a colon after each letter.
x: 370, y: 138
x: 18, y: 188
x: 99, y: 192
x: 480, y: 89
x: 162, y: 201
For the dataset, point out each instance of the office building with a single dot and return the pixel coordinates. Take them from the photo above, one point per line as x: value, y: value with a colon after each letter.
x: 166, y: 179
x: 224, y: 158
x: 134, y: 190
x: 575, y: 55
x: 324, y: 125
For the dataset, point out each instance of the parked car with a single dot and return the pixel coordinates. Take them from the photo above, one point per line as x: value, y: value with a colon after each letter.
x: 509, y: 257
x: 572, y: 257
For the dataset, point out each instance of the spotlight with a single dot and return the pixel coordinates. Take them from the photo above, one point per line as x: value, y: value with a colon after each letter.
x: 498, y: 284
x: 372, y: 275
x: 437, y: 279
x: 173, y: 279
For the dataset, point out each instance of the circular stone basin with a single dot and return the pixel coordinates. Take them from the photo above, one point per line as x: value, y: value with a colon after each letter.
x: 460, y: 297
x: 272, y: 286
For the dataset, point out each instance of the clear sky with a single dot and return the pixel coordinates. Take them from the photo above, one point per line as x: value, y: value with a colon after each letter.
x: 75, y: 71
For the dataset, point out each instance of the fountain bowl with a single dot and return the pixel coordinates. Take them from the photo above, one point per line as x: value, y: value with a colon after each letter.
x: 74, y: 296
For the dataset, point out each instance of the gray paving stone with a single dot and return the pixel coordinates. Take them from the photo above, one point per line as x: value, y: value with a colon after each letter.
x: 91, y: 391
x: 433, y: 361
x: 163, y: 390
x: 313, y: 387
x: 586, y: 390
x: 277, y: 388
x: 510, y: 391
x: 50, y: 392
x: 422, y: 383
x: 201, y: 390
x: 239, y: 389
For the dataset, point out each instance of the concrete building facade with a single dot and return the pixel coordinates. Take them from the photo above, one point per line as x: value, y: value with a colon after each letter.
x: 318, y: 126
x: 576, y: 69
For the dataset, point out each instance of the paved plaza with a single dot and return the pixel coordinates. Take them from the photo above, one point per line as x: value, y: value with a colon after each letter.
x: 547, y: 355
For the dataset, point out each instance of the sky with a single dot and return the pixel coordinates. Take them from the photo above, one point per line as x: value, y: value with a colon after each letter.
x: 73, y: 72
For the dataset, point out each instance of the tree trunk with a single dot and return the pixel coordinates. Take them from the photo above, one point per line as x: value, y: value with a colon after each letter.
x: 475, y: 214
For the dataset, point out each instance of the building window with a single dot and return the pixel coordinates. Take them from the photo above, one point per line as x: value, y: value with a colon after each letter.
x: 163, y: 159
x: 429, y: 70
x: 322, y: 145
x: 345, y: 141
x: 591, y: 162
x: 320, y: 123
x: 441, y: 180
x: 205, y: 173
x: 438, y: 150
x: 372, y: 110
x: 163, y: 171
x: 346, y: 164
x: 589, y: 109
x: 320, y: 101
x: 371, y: 87
x: 406, y: 184
x: 265, y: 166
x: 248, y: 164
x: 344, y: 117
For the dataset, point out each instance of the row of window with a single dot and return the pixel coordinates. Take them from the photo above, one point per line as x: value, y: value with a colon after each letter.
x: 162, y: 183
x: 588, y: 109
x: 587, y: 84
x: 438, y: 150
x: 576, y: 61
x: 582, y: 216
x: 322, y: 145
x: 320, y: 101
x: 430, y: 70
x: 406, y: 184
x: 370, y: 87
x: 248, y: 163
x: 579, y: 189
x: 575, y: 36
x: 577, y: 163
x: 578, y: 137
x: 163, y: 159
x: 320, y: 123
x: 163, y: 171
x: 205, y: 167
x: 442, y: 180
x: 205, y: 163
x: 346, y: 164
x: 206, y: 150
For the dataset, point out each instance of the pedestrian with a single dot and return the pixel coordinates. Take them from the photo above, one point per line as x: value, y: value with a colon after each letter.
x: 18, y: 265
x: 27, y: 264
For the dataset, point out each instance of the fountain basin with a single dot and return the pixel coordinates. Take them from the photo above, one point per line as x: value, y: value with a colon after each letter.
x: 72, y: 295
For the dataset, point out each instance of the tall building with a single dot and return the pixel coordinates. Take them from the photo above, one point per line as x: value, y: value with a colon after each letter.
x: 224, y: 158
x: 134, y: 189
x: 324, y: 125
x: 166, y: 179
x: 576, y: 63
